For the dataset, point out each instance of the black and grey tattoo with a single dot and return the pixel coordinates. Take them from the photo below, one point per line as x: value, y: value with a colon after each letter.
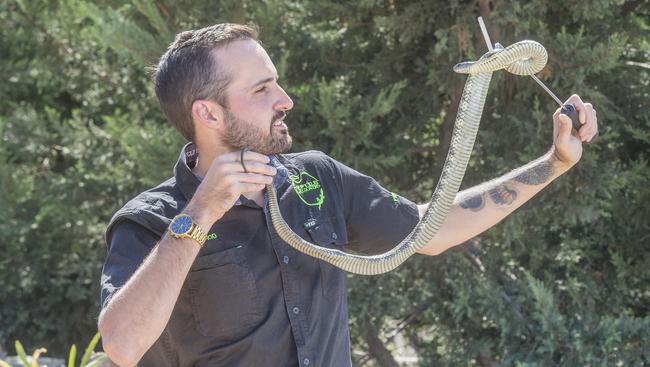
x: 473, y: 203
x: 503, y: 195
x: 536, y: 175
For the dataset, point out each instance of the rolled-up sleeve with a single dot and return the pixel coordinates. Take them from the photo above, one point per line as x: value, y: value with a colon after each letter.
x: 377, y: 219
x: 129, y: 245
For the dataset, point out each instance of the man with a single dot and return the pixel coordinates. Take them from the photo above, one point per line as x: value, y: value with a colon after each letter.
x: 195, y: 273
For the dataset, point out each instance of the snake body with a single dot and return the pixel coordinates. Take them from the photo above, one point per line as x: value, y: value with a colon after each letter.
x: 521, y: 58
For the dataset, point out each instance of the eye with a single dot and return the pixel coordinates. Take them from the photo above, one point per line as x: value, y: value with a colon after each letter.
x: 261, y: 90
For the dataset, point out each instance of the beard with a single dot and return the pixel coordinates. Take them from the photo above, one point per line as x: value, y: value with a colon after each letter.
x: 241, y: 134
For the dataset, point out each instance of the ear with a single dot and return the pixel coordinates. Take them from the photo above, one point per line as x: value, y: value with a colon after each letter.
x: 206, y: 114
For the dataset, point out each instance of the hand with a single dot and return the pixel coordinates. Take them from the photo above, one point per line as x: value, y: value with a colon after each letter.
x: 225, y: 181
x: 567, y: 142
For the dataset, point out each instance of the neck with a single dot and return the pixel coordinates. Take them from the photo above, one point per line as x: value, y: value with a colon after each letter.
x: 207, y: 154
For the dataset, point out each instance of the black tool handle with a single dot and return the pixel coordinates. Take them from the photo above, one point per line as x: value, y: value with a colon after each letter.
x: 570, y: 110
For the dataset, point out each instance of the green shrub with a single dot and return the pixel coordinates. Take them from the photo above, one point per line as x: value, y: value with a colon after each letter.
x: 85, y: 361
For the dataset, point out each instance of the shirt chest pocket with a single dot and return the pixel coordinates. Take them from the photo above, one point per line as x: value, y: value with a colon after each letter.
x: 323, y: 233
x: 223, y: 295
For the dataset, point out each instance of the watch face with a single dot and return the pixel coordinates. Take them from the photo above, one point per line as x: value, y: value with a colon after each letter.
x: 181, y: 224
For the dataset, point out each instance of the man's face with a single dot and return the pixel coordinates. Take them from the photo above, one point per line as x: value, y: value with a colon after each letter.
x: 257, y: 105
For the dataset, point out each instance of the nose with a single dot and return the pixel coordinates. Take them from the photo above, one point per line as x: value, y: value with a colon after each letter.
x: 284, y: 103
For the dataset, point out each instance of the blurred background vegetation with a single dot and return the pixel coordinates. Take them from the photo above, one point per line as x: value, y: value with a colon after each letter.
x: 564, y: 281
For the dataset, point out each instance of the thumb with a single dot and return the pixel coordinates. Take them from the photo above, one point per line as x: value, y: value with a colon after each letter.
x: 564, y: 131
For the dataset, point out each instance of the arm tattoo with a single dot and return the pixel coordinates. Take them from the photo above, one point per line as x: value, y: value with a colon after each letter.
x: 506, y: 192
x: 473, y: 203
x: 536, y: 175
x: 503, y: 195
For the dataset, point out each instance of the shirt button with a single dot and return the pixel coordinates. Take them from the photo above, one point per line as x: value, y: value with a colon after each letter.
x: 305, y: 361
x: 285, y: 259
x: 334, y: 236
x: 296, y: 310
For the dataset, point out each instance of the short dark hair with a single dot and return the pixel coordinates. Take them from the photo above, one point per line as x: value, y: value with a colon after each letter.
x: 188, y: 71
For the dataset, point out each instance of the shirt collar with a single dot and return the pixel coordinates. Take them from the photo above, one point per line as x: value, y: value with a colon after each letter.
x: 185, y: 178
x: 188, y: 181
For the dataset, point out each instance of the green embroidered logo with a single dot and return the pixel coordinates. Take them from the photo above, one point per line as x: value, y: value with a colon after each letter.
x: 212, y: 236
x: 395, y: 199
x: 308, y: 189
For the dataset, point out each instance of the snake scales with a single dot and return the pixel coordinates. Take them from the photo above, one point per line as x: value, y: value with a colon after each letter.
x: 521, y: 58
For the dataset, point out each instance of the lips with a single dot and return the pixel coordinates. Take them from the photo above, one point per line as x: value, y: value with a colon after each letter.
x: 280, y: 124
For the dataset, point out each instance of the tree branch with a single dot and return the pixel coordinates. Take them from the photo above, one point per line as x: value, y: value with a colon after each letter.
x: 376, y: 347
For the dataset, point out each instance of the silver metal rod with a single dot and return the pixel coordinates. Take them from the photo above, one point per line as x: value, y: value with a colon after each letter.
x: 547, y: 90
x: 486, y: 36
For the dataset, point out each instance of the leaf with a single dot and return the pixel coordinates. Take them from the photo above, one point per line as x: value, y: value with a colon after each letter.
x: 21, y: 354
x: 89, y: 349
x: 72, y: 355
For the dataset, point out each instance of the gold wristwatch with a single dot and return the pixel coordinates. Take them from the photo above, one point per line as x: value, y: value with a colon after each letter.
x: 183, y: 226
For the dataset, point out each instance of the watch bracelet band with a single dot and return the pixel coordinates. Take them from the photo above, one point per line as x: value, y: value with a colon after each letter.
x: 198, y: 235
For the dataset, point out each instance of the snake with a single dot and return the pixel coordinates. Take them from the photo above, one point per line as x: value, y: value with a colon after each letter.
x: 522, y: 58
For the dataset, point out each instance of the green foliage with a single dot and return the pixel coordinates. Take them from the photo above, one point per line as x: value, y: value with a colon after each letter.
x: 564, y: 281
x: 21, y: 353
x: 72, y: 356
x: 89, y: 350
x: 23, y: 356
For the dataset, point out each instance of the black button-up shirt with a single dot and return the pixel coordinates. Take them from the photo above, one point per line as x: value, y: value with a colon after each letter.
x: 249, y: 298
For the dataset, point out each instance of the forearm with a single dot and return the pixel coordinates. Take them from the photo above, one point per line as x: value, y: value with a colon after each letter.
x: 138, y: 313
x: 481, y: 207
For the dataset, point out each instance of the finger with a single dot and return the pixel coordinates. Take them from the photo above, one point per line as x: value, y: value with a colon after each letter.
x: 576, y: 101
x: 590, y: 128
x: 594, y: 125
x: 251, y: 166
x: 564, y: 131
x: 262, y: 168
x: 249, y: 187
x: 252, y: 178
x: 556, y: 122
x: 254, y: 156
x: 248, y: 156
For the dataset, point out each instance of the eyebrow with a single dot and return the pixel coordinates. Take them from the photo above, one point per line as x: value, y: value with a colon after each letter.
x: 263, y: 81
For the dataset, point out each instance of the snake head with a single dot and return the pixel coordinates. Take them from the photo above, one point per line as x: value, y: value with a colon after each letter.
x: 464, y: 67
